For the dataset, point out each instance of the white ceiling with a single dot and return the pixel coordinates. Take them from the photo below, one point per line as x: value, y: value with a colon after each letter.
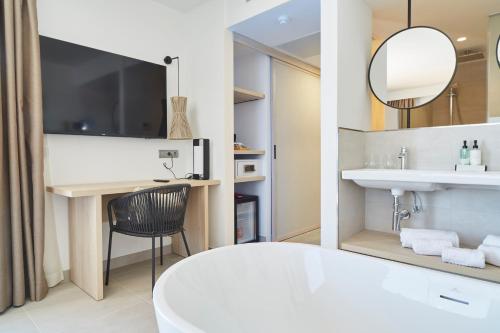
x: 299, y: 37
x: 181, y: 5
x: 455, y: 17
x: 305, y: 47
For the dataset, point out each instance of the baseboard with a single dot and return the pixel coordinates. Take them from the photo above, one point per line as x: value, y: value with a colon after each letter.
x: 128, y: 259
x: 299, y: 232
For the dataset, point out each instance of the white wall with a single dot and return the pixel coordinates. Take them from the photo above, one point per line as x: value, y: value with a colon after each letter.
x: 253, y: 125
x: 329, y: 121
x: 354, y: 53
x: 210, y: 50
x: 345, y: 55
x: 149, y: 31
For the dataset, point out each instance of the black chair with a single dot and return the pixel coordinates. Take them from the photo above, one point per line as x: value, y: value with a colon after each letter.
x: 155, y: 212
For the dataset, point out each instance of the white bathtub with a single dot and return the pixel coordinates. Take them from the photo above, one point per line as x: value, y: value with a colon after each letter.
x: 285, y: 287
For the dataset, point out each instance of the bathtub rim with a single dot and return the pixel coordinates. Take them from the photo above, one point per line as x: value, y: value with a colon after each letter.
x: 163, y: 309
x: 173, y: 319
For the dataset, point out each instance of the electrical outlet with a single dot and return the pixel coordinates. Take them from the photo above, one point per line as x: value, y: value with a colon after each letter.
x: 168, y: 153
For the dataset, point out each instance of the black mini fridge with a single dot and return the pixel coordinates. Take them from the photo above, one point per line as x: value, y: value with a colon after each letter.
x: 246, y: 218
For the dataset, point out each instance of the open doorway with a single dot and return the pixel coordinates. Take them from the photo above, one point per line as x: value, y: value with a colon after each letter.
x: 277, y: 132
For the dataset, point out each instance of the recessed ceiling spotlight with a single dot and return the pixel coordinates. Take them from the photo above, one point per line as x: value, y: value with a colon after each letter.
x: 461, y: 39
x: 283, y: 19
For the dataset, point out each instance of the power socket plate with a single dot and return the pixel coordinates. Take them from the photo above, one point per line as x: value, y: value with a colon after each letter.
x: 168, y: 153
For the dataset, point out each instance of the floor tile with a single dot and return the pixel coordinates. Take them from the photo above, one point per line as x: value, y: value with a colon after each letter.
x: 17, y: 320
x: 67, y: 307
x: 136, y: 318
x: 137, y: 278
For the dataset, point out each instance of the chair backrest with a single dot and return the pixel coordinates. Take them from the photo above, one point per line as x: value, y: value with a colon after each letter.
x: 155, y: 211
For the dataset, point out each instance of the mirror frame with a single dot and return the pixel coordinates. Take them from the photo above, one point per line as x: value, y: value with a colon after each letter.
x: 497, y: 52
x: 401, y: 31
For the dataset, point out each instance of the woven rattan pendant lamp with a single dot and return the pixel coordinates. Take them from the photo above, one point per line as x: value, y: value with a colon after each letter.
x: 179, y: 129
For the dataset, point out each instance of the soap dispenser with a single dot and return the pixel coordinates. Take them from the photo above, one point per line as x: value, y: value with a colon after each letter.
x: 465, y: 154
x: 475, y: 154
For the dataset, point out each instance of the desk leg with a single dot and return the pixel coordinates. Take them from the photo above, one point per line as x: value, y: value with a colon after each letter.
x: 195, y: 223
x: 85, y: 244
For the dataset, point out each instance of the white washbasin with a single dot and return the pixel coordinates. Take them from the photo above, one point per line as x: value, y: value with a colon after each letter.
x: 421, y: 180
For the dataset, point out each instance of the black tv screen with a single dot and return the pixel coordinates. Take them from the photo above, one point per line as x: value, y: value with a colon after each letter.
x: 92, y: 92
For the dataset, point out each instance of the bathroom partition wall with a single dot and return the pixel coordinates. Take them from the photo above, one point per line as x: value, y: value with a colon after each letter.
x: 352, y: 145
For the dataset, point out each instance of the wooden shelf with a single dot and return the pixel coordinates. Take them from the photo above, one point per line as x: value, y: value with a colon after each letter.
x: 244, y: 95
x: 250, y: 152
x: 387, y: 246
x: 249, y: 179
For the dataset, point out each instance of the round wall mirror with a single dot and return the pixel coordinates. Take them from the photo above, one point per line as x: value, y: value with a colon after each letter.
x: 498, y: 51
x: 412, y: 67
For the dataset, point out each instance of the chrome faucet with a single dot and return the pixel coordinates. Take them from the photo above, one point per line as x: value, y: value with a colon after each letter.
x: 403, y: 157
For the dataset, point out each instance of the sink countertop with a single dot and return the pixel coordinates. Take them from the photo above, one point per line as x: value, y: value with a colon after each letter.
x: 448, y: 177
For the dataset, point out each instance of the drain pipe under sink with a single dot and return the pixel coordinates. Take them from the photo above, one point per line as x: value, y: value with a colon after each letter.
x: 398, y: 215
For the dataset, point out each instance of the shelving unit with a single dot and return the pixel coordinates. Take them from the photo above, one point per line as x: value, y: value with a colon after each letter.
x: 244, y: 95
x: 252, y: 127
x: 249, y: 179
x: 250, y: 152
x: 387, y: 246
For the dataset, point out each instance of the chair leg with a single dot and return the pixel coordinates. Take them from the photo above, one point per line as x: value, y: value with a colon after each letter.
x: 161, y: 250
x: 153, y: 278
x: 185, y: 243
x: 109, y: 256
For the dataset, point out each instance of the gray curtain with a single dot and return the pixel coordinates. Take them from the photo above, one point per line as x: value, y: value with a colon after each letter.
x: 21, y: 148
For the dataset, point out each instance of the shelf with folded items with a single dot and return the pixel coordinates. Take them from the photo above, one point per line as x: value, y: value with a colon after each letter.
x: 388, y: 246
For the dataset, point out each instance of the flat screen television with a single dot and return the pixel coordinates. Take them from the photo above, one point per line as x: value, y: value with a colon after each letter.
x: 92, y: 92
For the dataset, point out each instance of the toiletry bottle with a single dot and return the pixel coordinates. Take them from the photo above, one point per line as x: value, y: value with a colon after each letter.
x: 475, y: 154
x: 465, y: 154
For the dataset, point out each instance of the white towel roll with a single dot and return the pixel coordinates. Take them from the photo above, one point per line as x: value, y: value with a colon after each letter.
x: 464, y: 257
x: 492, y: 240
x: 407, y: 236
x: 491, y: 253
x: 430, y: 247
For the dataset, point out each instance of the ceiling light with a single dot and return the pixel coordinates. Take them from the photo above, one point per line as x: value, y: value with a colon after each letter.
x: 283, y: 19
x: 461, y: 39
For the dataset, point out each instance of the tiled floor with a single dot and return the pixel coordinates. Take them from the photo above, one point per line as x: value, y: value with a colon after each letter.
x: 127, y: 306
x: 311, y: 237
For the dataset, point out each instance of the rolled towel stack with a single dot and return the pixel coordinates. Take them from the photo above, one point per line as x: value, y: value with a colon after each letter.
x: 430, y: 247
x: 491, y: 249
x: 491, y: 254
x: 492, y: 240
x: 408, y: 236
x: 464, y: 257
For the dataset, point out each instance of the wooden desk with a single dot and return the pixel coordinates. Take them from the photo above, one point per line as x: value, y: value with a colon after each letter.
x: 88, y: 210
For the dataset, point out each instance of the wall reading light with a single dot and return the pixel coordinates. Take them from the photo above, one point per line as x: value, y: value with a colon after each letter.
x: 179, y: 129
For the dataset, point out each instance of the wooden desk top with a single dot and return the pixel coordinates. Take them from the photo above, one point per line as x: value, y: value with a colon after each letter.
x: 86, y: 190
